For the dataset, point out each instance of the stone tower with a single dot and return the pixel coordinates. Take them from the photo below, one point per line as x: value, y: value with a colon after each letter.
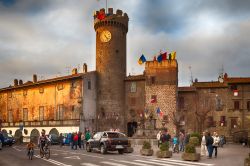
x: 111, y: 31
x: 161, y: 92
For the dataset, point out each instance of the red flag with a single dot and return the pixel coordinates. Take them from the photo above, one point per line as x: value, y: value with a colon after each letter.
x: 101, y: 15
x: 164, y: 56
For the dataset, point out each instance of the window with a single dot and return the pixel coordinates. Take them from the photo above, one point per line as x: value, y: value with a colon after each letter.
x: 9, y: 95
x: 89, y: 84
x: 133, y: 87
x: 181, y: 102
x: 10, y: 116
x: 153, y: 80
x: 59, y: 115
x: 41, y: 90
x: 218, y: 103
x: 25, y: 114
x: 236, y: 105
x: 25, y: 92
x: 75, y: 113
x: 248, y: 105
x: 41, y: 113
x: 73, y: 84
x: 59, y: 86
x: 223, y: 121
x: 153, y: 99
x: 210, y: 122
x: 133, y: 101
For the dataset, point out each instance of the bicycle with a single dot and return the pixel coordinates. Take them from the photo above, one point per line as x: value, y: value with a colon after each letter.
x: 45, y: 151
x: 30, y: 153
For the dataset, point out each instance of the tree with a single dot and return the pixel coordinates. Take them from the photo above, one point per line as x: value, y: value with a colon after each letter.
x: 203, y: 104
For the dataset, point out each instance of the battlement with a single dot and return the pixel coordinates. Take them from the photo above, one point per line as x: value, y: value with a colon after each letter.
x: 162, y: 64
x: 101, y: 18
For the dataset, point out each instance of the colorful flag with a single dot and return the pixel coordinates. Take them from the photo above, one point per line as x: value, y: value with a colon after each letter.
x: 158, y: 111
x: 173, y: 55
x: 101, y: 15
x: 142, y: 59
x: 164, y: 56
x: 161, y: 114
x: 159, y: 58
x: 169, y: 56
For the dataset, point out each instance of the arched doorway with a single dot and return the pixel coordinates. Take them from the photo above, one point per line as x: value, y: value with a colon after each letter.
x: 34, y: 135
x: 18, y: 136
x: 54, y: 131
x: 131, y: 126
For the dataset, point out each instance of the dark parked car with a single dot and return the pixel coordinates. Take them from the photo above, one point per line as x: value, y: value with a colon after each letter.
x: 108, y: 141
x: 8, y: 139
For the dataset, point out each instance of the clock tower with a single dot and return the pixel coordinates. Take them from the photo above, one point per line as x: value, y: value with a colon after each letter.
x: 111, y: 31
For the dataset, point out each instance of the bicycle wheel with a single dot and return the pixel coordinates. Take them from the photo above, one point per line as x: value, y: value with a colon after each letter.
x: 47, y: 153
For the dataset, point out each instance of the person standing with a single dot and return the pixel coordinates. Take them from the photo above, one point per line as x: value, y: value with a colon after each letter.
x: 181, y: 140
x: 79, y: 140
x: 61, y: 139
x: 203, y: 144
x: 209, y: 144
x: 87, y: 135
x: 75, y: 140
x: 158, y: 137
x: 216, y: 143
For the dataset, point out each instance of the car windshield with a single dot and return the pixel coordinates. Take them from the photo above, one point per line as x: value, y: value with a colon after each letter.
x: 116, y: 135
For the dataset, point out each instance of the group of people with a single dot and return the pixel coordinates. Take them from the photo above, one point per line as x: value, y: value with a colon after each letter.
x: 209, y: 143
x: 77, y: 139
x: 178, y: 141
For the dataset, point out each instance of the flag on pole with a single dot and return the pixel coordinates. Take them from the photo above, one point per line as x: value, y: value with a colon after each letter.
x: 173, y: 55
x: 101, y: 15
x: 164, y: 56
x: 159, y: 58
x: 142, y: 59
x: 158, y: 111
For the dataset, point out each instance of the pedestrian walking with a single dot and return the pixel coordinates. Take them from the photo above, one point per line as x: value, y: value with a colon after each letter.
x: 60, y: 139
x: 216, y: 143
x: 79, y: 141
x: 75, y: 141
x: 158, y: 137
x: 83, y: 140
x: 209, y: 144
x: 203, y: 144
x: 181, y: 140
x: 72, y: 140
x: 87, y: 135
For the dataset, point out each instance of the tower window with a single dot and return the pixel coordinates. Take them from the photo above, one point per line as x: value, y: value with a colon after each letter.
x: 89, y: 84
x: 153, y: 80
x: 236, y: 105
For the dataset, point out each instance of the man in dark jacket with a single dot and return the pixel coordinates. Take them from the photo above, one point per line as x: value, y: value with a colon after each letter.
x: 209, y: 144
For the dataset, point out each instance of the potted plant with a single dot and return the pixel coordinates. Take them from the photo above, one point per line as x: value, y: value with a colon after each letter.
x: 190, y: 151
x: 164, y: 151
x: 247, y: 161
x: 146, y: 149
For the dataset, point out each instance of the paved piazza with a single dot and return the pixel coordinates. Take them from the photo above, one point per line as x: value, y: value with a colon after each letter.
x: 230, y: 155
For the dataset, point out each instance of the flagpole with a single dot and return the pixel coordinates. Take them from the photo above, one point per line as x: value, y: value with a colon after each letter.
x: 106, y: 6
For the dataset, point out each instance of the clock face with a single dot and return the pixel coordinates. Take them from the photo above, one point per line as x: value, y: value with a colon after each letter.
x: 105, y: 36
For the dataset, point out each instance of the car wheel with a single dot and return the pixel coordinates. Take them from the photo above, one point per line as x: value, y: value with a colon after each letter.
x: 120, y: 151
x: 103, y: 149
x: 88, y: 148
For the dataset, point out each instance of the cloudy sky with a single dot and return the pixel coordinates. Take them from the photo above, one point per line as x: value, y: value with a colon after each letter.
x: 50, y: 37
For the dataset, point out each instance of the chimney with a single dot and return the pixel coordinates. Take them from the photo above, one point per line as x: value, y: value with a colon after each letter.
x: 20, y: 82
x: 34, y: 78
x: 85, y: 68
x: 74, y: 71
x: 15, y: 82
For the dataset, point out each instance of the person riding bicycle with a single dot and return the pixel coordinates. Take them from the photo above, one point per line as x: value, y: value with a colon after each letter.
x: 30, y: 146
x: 43, y: 140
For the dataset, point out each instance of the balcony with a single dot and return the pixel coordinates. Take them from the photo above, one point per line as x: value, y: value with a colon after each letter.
x: 44, y: 123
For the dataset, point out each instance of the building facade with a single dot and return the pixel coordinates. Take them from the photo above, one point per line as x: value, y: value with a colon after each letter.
x: 138, y: 105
